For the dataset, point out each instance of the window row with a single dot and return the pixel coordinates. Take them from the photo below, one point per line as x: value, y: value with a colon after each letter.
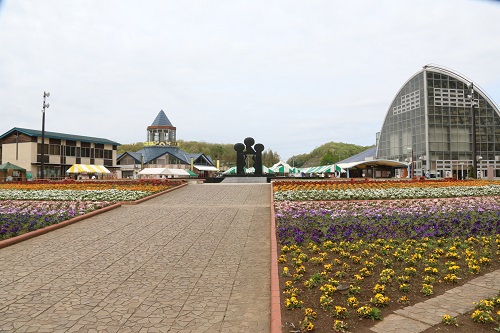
x: 75, y: 151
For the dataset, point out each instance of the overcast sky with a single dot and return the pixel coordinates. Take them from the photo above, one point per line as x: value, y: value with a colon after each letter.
x: 291, y: 74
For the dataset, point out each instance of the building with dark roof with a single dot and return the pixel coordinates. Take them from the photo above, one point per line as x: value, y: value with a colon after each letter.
x: 161, y: 151
x: 23, y: 147
x: 442, y: 123
x: 161, y: 131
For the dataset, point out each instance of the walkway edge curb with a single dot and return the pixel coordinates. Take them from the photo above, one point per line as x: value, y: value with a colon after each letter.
x: 275, y: 286
x: 38, y: 232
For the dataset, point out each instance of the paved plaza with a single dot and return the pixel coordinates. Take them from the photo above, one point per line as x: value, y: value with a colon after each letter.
x: 193, y: 260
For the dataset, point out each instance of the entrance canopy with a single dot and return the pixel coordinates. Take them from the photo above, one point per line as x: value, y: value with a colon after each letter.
x: 87, y: 168
x: 372, y: 163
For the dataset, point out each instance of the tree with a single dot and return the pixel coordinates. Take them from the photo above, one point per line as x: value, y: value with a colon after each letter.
x: 270, y: 158
x: 133, y: 147
x: 328, y: 158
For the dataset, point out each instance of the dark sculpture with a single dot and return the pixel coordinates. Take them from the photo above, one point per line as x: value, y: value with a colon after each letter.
x: 245, y: 150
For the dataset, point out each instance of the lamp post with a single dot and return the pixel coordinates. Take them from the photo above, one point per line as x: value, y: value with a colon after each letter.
x: 412, y: 172
x: 45, y: 106
x: 462, y: 173
x: 474, y: 148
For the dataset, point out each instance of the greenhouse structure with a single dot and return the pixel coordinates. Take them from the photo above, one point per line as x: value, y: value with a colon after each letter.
x: 443, y: 125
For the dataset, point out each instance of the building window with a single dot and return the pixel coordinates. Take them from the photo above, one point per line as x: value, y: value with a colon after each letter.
x: 85, y: 152
x: 54, y: 150
x: 69, y: 151
x: 407, y: 103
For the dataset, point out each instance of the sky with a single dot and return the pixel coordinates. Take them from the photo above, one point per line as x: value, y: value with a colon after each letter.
x: 291, y: 74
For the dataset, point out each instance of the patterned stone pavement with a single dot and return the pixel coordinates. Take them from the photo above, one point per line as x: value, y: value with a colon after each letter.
x: 459, y: 300
x: 193, y: 260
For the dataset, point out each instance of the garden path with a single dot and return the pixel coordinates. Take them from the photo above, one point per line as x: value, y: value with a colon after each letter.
x: 194, y: 260
x: 423, y: 315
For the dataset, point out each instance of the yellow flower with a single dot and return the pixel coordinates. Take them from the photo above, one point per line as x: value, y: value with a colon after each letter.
x: 358, y: 277
x: 352, y: 302
x: 379, y: 288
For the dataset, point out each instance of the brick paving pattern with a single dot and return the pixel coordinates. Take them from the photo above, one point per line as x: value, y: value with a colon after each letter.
x: 193, y: 260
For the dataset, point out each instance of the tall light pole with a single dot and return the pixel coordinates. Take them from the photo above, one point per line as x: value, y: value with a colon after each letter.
x: 474, y: 148
x: 45, y: 106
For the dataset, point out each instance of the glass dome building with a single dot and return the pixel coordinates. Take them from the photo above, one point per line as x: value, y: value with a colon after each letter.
x: 430, y: 126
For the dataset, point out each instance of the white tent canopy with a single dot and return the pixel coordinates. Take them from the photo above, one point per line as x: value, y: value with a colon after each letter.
x: 282, y: 167
x: 265, y: 170
x: 175, y: 173
x: 152, y: 171
x: 206, y: 168
x: 323, y: 169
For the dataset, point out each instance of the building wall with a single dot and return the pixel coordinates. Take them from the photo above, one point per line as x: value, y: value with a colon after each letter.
x: 20, y: 154
x: 404, y: 125
x: 431, y: 118
x: 25, y: 151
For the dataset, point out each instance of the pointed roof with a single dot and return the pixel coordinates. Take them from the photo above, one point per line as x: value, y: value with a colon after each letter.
x: 161, y: 120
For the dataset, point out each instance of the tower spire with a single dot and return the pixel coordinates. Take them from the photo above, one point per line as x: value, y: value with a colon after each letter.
x: 161, y: 132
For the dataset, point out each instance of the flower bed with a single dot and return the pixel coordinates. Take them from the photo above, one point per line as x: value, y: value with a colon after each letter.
x: 370, y: 220
x: 348, y: 261
x: 18, y: 217
x: 113, y: 191
x: 27, y: 206
x: 323, y: 191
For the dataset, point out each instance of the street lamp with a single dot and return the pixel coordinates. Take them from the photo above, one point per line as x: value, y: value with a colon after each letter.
x: 474, y: 148
x: 45, y: 106
x: 412, y: 174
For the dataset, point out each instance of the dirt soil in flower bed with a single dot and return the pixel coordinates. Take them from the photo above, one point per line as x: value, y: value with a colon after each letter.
x: 291, y: 319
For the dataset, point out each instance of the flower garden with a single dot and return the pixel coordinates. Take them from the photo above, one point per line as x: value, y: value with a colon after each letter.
x: 28, y: 206
x: 350, y: 253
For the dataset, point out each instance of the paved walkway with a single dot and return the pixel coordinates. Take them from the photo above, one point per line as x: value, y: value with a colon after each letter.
x: 193, y: 260
x: 423, y: 315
